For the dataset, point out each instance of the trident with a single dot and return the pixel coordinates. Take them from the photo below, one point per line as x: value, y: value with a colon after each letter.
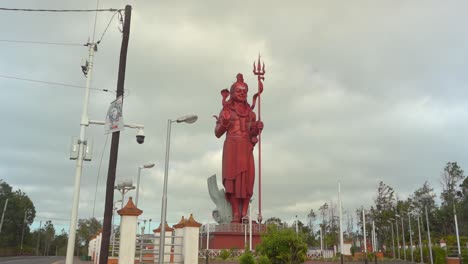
x: 260, y: 72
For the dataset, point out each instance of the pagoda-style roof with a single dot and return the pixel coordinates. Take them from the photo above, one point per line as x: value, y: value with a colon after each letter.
x: 167, y: 229
x: 191, y: 222
x: 130, y: 209
x: 181, y: 223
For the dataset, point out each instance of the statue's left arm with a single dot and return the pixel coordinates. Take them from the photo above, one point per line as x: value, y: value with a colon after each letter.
x: 256, y: 128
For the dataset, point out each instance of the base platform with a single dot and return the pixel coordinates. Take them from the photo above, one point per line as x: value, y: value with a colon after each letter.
x: 231, y: 236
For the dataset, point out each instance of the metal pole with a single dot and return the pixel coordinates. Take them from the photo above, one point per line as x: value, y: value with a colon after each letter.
x: 456, y: 229
x: 250, y: 225
x: 297, y: 228
x: 429, y: 235
x: 403, y: 237
x: 420, y: 243
x: 141, y: 242
x: 398, y: 239
x: 393, y: 241
x: 411, y: 238
x: 341, y: 220
x: 79, y: 161
x: 164, y: 197
x: 208, y: 236
x: 3, y: 214
x: 138, y: 186
x: 38, y: 238
x: 321, y: 239
x: 373, y: 236
x: 364, y: 231
x: 22, y: 233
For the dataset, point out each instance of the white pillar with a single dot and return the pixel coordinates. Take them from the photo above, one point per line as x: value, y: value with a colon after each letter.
x: 167, y: 242
x: 98, y: 247
x: 128, y: 225
x: 190, y: 241
x: 178, y: 240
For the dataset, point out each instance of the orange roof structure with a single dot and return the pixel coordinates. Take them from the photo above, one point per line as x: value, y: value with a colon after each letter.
x: 130, y: 209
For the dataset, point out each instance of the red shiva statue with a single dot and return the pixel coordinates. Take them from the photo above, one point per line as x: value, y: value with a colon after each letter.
x: 242, y: 129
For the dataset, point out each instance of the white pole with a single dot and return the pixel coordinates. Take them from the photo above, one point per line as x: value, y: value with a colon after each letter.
x: 341, y: 219
x: 410, y: 237
x: 79, y: 161
x: 398, y: 238
x: 3, y: 214
x: 364, y: 229
x: 250, y: 225
x: 456, y: 229
x: 208, y: 236
x: 297, y: 227
x: 420, y: 243
x: 321, y: 240
x: 373, y: 237
x: 429, y: 236
x: 138, y: 186
x: 162, y: 236
x: 403, y: 237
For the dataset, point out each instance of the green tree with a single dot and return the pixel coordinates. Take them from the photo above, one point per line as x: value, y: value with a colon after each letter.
x: 87, y: 228
x: 59, y: 244
x: 283, y: 246
x: 48, y: 236
x: 451, y: 197
x: 19, y: 214
x: 274, y: 220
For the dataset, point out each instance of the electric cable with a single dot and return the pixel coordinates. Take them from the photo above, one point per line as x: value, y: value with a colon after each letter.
x: 99, y: 171
x: 59, y: 10
x: 53, y: 83
x: 40, y: 42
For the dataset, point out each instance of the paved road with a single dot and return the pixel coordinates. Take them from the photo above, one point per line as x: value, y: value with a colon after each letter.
x: 39, y: 260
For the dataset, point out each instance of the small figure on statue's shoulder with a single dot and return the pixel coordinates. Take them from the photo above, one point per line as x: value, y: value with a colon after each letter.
x: 242, y: 128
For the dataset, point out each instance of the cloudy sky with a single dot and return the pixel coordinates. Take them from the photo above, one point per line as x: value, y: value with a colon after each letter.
x: 361, y: 91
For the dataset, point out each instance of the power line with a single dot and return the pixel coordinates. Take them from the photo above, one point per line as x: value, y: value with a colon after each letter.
x: 59, y: 10
x: 110, y: 21
x: 40, y: 42
x: 53, y: 83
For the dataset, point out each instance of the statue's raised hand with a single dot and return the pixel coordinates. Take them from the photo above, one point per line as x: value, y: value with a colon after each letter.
x: 226, y: 117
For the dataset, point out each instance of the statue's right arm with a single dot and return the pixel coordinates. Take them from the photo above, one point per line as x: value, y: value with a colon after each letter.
x: 220, y: 129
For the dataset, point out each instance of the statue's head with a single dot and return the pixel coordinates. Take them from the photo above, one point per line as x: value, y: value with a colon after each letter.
x: 239, y: 89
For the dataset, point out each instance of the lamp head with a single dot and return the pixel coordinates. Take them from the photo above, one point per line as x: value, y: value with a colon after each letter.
x: 148, y: 165
x: 187, y: 119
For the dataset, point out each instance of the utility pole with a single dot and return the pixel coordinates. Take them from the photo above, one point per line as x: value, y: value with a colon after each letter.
x: 22, y: 233
x: 79, y: 161
x: 38, y: 238
x: 3, y: 214
x: 109, y: 200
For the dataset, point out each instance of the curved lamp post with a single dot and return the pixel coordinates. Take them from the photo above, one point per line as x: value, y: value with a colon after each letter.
x: 145, y: 166
x: 184, y: 119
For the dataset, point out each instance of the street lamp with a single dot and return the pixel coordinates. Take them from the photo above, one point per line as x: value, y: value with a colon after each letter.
x: 145, y: 166
x: 393, y: 239
x: 411, y: 237
x: 420, y: 243
x: 402, y: 235
x: 123, y: 187
x: 184, y: 119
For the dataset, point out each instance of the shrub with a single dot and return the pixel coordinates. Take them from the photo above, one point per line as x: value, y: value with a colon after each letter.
x: 283, y: 246
x: 247, y: 258
x: 439, y: 255
x: 224, y: 254
x: 263, y: 260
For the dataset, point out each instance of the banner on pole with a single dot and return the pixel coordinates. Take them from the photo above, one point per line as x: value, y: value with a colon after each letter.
x: 114, y: 119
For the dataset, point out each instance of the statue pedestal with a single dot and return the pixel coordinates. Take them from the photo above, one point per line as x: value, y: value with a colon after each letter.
x: 233, y: 235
